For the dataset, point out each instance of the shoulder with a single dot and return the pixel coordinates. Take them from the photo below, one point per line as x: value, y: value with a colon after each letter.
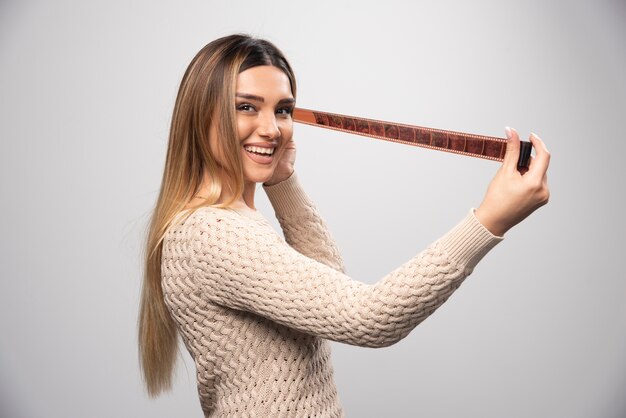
x: 220, y: 239
x: 211, y: 224
x: 201, y: 219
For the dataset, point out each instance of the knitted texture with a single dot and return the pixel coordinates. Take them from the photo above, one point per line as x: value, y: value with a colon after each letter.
x: 255, y: 310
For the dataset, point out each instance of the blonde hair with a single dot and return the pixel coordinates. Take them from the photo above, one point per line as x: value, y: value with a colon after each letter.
x: 206, y: 96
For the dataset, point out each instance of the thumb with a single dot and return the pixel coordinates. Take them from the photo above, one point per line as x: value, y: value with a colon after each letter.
x: 512, y: 149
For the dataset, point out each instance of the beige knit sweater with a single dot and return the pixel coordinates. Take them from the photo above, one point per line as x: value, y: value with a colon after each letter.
x: 255, y: 310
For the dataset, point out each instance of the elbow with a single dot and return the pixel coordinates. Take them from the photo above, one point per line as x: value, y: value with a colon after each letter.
x: 379, y: 338
x: 385, y: 342
x: 338, y: 264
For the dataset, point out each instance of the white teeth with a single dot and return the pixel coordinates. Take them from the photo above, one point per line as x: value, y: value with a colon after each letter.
x: 259, y: 150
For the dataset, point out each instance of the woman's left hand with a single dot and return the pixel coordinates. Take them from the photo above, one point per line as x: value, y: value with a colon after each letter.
x: 285, y: 165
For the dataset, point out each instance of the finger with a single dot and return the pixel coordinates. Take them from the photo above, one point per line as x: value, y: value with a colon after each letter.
x: 542, y: 158
x: 512, y: 150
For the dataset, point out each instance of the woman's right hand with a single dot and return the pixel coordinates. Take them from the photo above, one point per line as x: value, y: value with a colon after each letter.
x: 514, y: 193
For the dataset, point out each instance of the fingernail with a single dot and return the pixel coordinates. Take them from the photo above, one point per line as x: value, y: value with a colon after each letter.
x: 509, y: 134
x: 535, y: 135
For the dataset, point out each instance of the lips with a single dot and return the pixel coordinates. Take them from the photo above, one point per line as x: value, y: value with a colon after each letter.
x: 262, y: 144
x: 261, y: 153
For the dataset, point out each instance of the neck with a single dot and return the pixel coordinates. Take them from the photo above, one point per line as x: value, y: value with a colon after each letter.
x: 247, y: 198
x: 246, y: 201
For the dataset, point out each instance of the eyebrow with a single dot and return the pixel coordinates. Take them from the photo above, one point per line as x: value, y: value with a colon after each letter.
x: 261, y: 99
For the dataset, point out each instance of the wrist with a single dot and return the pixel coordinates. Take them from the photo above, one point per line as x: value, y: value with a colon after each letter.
x: 489, y: 222
x: 272, y: 181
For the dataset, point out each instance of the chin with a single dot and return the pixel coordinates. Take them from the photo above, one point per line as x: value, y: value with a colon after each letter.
x: 257, y: 177
x: 255, y: 172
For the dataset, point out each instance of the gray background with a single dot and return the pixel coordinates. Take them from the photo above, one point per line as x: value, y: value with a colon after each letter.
x: 539, y: 329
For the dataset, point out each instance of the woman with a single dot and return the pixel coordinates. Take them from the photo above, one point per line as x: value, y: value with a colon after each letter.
x: 255, y: 310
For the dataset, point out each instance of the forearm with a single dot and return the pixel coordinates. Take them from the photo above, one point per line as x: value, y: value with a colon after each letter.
x: 304, y: 228
x: 412, y: 292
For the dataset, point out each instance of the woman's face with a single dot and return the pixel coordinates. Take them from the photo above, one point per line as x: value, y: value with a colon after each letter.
x: 264, y: 104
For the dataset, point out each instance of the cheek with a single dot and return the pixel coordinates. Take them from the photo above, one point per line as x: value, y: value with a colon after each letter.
x: 244, y: 129
x: 286, y: 130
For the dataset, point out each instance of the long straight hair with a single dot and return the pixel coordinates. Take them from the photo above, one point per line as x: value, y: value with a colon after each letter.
x: 206, y: 95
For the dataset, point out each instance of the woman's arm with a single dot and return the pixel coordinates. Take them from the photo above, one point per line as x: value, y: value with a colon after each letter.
x: 244, y: 266
x: 303, y: 227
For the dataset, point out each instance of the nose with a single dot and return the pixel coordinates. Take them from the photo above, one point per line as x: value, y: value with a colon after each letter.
x: 268, y: 128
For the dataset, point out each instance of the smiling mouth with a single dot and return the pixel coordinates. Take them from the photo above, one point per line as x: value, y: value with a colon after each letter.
x: 260, y: 155
x: 265, y: 152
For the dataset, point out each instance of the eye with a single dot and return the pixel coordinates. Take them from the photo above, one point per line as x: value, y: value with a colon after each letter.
x: 246, y: 107
x: 286, y: 111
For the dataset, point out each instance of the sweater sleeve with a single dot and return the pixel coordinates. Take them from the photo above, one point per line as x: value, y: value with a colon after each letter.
x: 244, y: 267
x: 303, y: 227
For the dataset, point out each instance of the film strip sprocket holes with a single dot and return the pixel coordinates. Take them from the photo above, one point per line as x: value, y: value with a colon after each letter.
x: 488, y: 147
